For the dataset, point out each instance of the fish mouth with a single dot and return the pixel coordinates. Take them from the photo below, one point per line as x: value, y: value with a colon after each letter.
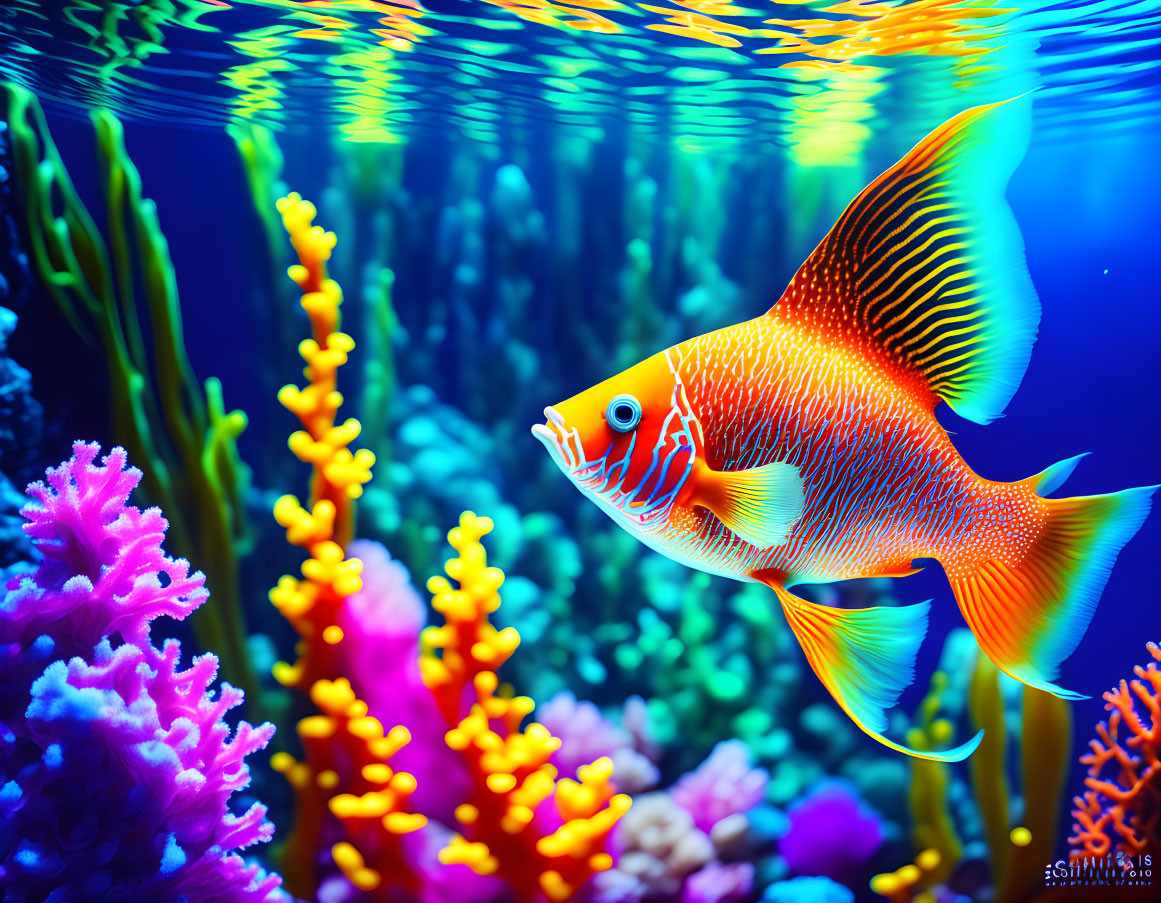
x: 599, y: 478
x: 555, y: 438
x: 566, y: 448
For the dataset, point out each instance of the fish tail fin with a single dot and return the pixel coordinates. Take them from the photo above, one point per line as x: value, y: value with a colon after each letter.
x: 1029, y: 615
x: 865, y: 658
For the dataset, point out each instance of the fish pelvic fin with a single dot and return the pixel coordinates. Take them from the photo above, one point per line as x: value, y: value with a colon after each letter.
x: 760, y: 505
x: 865, y: 657
x: 1029, y: 616
x: 924, y: 273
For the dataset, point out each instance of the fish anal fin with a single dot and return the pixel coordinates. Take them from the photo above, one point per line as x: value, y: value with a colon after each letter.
x: 865, y: 657
x: 924, y: 273
x: 760, y: 505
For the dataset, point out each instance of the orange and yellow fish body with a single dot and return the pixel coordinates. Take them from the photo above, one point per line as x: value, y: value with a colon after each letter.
x: 802, y: 446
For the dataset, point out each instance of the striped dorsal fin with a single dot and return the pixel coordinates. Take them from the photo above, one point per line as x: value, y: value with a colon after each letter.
x: 924, y: 272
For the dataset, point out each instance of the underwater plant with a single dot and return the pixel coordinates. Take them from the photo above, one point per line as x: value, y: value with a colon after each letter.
x: 1001, y: 828
x: 1120, y: 812
x: 176, y: 428
x: 117, y: 766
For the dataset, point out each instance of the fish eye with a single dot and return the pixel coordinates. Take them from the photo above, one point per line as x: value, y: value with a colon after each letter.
x: 623, y: 413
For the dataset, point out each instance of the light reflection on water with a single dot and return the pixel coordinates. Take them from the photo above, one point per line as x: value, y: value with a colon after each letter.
x: 705, y: 74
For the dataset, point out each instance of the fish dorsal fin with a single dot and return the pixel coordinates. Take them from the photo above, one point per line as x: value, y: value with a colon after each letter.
x: 924, y: 272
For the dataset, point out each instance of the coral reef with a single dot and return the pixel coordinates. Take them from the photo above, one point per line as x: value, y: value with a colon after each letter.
x: 421, y: 771
x: 1120, y: 812
x: 118, y: 766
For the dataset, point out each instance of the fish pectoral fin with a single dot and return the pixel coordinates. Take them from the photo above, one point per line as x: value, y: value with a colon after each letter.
x: 865, y: 657
x: 761, y: 505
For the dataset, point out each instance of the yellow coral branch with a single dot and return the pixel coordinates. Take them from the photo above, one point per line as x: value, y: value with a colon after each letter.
x: 345, y: 750
x: 510, y: 768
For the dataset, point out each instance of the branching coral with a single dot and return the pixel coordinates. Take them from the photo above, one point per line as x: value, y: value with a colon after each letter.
x: 346, y: 749
x: 1121, y: 813
x: 176, y: 429
x: 505, y: 830
x: 117, y: 766
x: 344, y: 768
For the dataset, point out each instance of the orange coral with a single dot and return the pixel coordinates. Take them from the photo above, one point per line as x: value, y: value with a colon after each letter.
x: 312, y: 604
x: 344, y: 749
x: 510, y: 770
x: 1123, y: 815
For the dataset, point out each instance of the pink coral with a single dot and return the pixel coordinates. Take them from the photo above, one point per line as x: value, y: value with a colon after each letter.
x: 723, y: 785
x: 1123, y: 814
x: 720, y: 882
x: 118, y: 768
x: 102, y: 566
x: 586, y: 735
x: 381, y: 624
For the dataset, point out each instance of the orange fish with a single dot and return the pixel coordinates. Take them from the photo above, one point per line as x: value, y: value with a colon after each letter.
x: 802, y: 446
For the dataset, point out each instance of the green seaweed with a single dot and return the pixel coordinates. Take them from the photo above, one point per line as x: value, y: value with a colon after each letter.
x: 175, y: 429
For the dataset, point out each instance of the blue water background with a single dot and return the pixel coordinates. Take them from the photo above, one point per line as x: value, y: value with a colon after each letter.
x: 1087, y: 203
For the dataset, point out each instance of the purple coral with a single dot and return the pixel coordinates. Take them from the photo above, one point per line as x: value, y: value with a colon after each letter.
x: 724, y: 785
x: 103, y: 567
x: 830, y: 832
x: 117, y: 767
x: 585, y: 733
x: 588, y: 735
